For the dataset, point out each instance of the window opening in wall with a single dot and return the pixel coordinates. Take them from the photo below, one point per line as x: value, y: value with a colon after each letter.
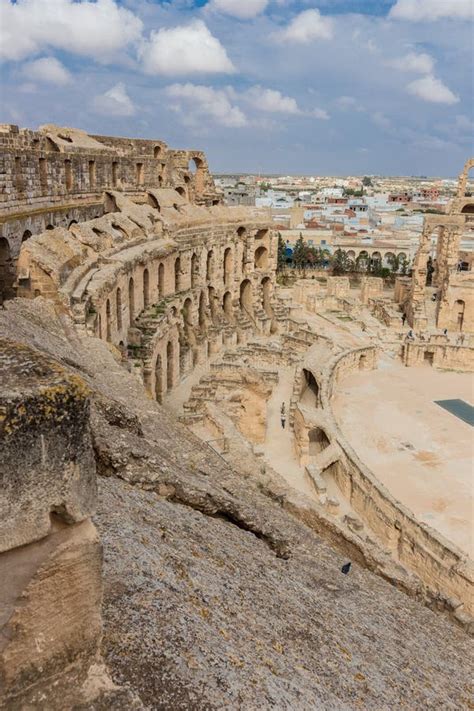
x: 209, y: 265
x: 228, y: 264
x: 26, y: 235
x: 114, y: 174
x: 146, y: 289
x: 310, y: 391
x: 68, y: 172
x: 194, y: 271
x: 109, y: 320
x: 177, y: 274
x: 43, y: 172
x: 161, y: 280
x: 118, y: 308
x: 92, y: 176
x: 156, y: 151
x: 261, y: 258
x: 140, y: 174
x: 169, y: 365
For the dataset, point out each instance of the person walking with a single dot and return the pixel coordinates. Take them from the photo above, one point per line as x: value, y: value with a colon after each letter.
x: 283, y: 419
x: 404, y: 318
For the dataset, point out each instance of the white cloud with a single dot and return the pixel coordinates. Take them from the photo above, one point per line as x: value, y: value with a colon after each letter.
x: 417, y: 10
x: 47, y: 69
x: 319, y: 114
x: 305, y: 27
x: 429, y: 88
x: 115, y: 102
x: 242, y: 9
x: 272, y: 101
x: 412, y: 62
x: 197, y: 103
x: 94, y: 29
x: 186, y: 49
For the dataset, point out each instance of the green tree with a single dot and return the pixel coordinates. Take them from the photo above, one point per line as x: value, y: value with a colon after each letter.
x: 341, y: 262
x: 394, y: 263
x: 299, y: 252
x: 281, y: 259
x: 367, y: 181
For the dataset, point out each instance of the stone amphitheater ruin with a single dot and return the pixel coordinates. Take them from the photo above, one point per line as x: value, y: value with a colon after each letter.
x: 164, y: 544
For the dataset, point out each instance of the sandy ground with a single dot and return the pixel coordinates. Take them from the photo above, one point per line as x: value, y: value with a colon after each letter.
x: 422, y: 453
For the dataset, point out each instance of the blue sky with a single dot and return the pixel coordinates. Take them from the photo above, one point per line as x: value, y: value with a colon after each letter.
x: 329, y: 87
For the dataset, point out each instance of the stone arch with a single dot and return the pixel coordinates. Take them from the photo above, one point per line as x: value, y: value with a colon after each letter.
x: 376, y: 256
x: 131, y: 300
x: 351, y: 254
x: 71, y: 223
x: 118, y: 308
x: 157, y: 151
x: 177, y: 274
x: 146, y: 288
x: 7, y: 275
x: 26, y: 235
x: 197, y: 168
x: 194, y: 270
x: 227, y: 306
x: 389, y: 258
x: 108, y: 320
x: 172, y: 358
x: 468, y: 209
x: 49, y: 227
x: 261, y: 257
x: 245, y: 297
x: 363, y: 361
x: 188, y: 312
x: 153, y: 202
x: 241, y: 231
x: 266, y: 295
x: 161, y: 280
x: 228, y: 265
x: 317, y: 441
x: 181, y: 191
x: 310, y: 390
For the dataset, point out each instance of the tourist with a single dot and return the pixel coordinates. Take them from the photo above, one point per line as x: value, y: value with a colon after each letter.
x: 445, y: 332
x: 433, y: 298
x: 404, y: 318
x: 283, y: 419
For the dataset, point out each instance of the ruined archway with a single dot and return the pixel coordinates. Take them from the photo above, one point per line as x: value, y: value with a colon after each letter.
x: 266, y: 295
x: 245, y: 298
x: 210, y: 265
x: 317, y: 441
x: 161, y: 279
x: 202, y: 310
x: 261, y: 257
x: 118, y: 308
x: 310, y: 389
x: 26, y: 235
x: 131, y: 300
x: 227, y: 306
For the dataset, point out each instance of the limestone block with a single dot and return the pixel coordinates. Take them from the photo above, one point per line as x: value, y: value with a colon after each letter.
x: 46, y: 458
x: 50, y: 621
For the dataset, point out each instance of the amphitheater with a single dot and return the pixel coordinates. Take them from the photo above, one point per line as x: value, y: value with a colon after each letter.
x: 164, y: 542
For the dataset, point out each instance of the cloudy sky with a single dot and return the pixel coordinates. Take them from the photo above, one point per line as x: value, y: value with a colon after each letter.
x: 286, y: 86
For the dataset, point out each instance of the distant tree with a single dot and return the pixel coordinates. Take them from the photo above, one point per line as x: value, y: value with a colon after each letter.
x: 341, y: 263
x: 367, y: 181
x: 394, y: 263
x: 281, y: 259
x: 299, y: 252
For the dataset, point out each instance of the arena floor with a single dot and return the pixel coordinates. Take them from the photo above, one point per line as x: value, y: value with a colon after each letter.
x: 421, y: 452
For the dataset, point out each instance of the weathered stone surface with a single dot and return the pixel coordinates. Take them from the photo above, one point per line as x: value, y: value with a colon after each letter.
x: 46, y: 458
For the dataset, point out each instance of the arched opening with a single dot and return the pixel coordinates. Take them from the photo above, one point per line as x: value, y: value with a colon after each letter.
x: 228, y: 265
x: 351, y: 254
x: 363, y: 362
x: 7, y: 274
x: 131, y: 300
x: 158, y: 378
x: 181, y: 191
x: 460, y: 306
x: 72, y: 222
x: 177, y: 274
x: 261, y: 257
x: 318, y: 441
x: 210, y: 265
x: 468, y: 209
x: 389, y: 258
x: 188, y: 313
x: 140, y: 174
x: 153, y: 202
x: 92, y: 174
x: 50, y: 227
x: 196, y: 167
x: 170, y: 365
x: 241, y: 231
x: 266, y: 294
x: 194, y: 271
x: 227, y: 306
x: 146, y: 289
x: 118, y: 308
x: 157, y: 151
x: 161, y: 280
x: 26, y: 235
x: 68, y: 174
x: 310, y: 390
x: 212, y: 301
x: 114, y: 174
x: 108, y: 319
x: 202, y: 310
x: 261, y: 234
x: 245, y: 298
